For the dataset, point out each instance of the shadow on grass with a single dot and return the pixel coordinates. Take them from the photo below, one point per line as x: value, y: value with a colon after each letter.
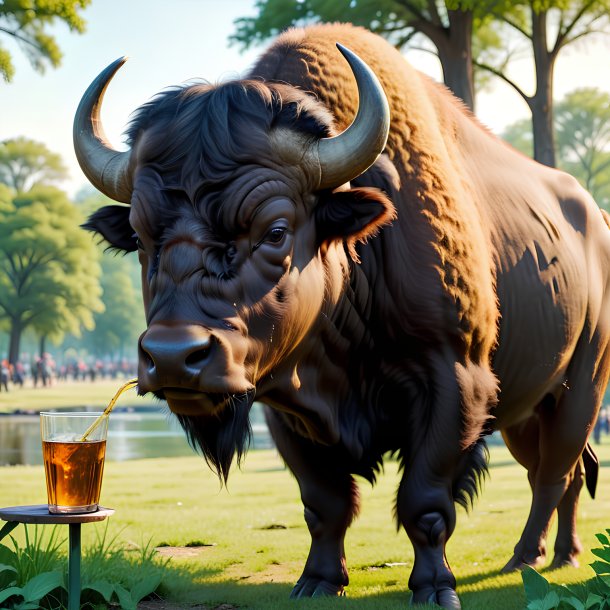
x: 275, y: 596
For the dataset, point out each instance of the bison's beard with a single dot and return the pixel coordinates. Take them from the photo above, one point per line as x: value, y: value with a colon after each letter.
x: 223, y: 435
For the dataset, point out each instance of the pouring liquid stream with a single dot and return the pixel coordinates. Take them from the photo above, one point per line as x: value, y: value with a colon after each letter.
x: 132, y: 383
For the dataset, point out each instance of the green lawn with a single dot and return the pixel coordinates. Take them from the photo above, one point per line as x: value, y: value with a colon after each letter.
x: 78, y: 394
x: 259, y: 540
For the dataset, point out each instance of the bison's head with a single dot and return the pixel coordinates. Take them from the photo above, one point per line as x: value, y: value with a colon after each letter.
x: 240, y: 208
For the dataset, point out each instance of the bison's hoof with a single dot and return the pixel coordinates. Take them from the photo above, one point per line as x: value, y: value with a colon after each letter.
x: 314, y: 587
x: 445, y: 597
x: 561, y: 561
x: 518, y: 563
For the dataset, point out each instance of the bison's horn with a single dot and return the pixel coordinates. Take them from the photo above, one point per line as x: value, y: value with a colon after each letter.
x: 347, y: 155
x: 106, y: 168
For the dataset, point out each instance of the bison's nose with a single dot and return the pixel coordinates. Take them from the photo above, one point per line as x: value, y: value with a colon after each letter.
x: 173, y: 356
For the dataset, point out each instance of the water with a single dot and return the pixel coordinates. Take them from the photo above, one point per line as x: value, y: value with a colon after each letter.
x: 136, y: 434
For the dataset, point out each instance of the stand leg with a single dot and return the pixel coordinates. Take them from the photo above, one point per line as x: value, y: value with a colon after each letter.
x: 74, y: 567
x: 7, y: 528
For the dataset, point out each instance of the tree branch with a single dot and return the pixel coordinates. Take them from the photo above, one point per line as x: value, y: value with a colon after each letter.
x: 515, y: 25
x: 424, y: 50
x: 602, y: 167
x: 414, y: 8
x: 508, y: 81
x: 436, y: 34
x: 563, y: 34
x: 434, y: 16
x: 586, y: 32
x: 21, y: 38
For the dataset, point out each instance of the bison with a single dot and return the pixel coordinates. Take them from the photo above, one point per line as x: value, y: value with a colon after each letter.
x: 399, y: 282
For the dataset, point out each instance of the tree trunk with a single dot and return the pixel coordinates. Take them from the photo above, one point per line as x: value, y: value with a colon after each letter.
x: 541, y: 104
x: 14, y: 341
x: 43, y: 340
x: 454, y: 46
x: 455, y: 54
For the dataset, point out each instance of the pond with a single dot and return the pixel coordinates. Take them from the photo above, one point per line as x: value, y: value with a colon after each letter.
x: 132, y: 434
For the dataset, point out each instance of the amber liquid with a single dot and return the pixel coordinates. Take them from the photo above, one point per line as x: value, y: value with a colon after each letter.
x: 74, y: 474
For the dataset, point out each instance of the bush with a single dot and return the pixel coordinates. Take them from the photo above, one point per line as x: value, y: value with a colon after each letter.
x: 594, y: 594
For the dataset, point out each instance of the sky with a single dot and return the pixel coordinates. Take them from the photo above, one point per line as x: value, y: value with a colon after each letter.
x: 167, y: 47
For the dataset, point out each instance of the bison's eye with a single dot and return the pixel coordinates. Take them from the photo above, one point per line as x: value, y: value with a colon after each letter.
x: 275, y: 235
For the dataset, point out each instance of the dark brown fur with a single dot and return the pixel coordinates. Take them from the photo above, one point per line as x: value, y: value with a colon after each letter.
x: 454, y: 288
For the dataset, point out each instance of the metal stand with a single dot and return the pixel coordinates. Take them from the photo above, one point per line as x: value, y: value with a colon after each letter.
x: 14, y: 515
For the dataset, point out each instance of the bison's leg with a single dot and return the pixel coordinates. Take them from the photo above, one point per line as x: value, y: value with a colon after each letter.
x: 564, y: 426
x: 425, y: 503
x: 567, y: 543
x: 426, y: 510
x: 551, y: 483
x: 523, y: 442
x: 330, y: 497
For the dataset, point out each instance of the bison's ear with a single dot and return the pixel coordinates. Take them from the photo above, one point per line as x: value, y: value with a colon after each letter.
x: 353, y: 215
x: 112, y: 223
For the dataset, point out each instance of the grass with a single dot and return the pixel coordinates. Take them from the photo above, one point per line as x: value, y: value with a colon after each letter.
x: 250, y: 562
x: 79, y: 394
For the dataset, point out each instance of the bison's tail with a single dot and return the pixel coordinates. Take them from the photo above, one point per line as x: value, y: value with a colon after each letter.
x: 591, y: 464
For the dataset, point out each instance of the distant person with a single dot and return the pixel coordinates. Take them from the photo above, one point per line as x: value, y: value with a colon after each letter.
x: 18, y: 374
x: 35, y: 371
x: 602, y: 425
x: 4, y: 375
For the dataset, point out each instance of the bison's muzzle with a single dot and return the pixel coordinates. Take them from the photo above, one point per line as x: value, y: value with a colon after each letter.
x: 191, y: 367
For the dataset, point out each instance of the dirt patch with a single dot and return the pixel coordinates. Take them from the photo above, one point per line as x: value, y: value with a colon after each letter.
x: 182, y: 551
x: 163, y: 605
x: 285, y: 573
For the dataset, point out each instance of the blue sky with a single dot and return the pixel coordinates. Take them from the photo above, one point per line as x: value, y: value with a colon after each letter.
x: 167, y: 47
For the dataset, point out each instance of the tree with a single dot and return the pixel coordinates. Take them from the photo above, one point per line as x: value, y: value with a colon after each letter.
x: 48, y: 266
x: 25, y: 23
x: 447, y: 24
x: 548, y: 26
x: 122, y: 320
x: 24, y: 163
x: 519, y: 136
x: 582, y: 127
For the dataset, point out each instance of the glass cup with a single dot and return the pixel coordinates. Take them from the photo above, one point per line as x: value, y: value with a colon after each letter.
x: 73, y: 467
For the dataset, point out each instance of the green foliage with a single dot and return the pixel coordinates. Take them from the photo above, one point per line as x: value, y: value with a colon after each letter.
x: 35, y: 573
x: 39, y: 554
x: 594, y: 594
x: 31, y: 571
x: 519, y: 135
x: 273, y: 16
x: 582, y: 129
x: 48, y: 265
x: 24, y: 163
x: 122, y: 320
x: 396, y: 19
x: 30, y: 595
x: 24, y: 23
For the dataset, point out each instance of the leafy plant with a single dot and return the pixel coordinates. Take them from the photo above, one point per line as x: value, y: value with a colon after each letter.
x: 594, y: 594
x: 29, y: 596
x: 39, y: 554
x: 34, y: 575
